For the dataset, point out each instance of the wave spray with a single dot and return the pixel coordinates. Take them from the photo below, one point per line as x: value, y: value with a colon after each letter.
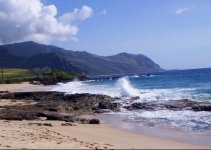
x: 126, y: 88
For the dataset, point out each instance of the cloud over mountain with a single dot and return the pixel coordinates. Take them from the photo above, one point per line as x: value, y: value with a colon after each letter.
x: 22, y: 20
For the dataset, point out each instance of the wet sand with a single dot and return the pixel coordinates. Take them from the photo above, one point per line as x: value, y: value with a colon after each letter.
x: 122, y: 122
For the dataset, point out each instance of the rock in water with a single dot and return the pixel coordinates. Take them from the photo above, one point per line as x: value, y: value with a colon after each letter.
x: 135, y: 98
x: 176, y: 105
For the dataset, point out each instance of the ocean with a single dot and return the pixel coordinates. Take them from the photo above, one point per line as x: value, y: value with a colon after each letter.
x: 193, y: 84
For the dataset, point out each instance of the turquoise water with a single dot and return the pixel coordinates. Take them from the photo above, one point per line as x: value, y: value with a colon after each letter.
x: 172, y: 85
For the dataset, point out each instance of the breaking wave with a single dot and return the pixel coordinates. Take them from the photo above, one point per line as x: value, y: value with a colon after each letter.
x: 126, y: 89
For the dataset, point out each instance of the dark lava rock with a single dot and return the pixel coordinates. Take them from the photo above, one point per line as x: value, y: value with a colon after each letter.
x: 100, y: 111
x: 104, y: 105
x: 47, y: 124
x: 202, y: 107
x: 82, y: 121
x: 109, y: 105
x: 3, y: 92
x: 51, y: 80
x: 52, y: 109
x: 38, y: 124
x: 176, y: 105
x: 54, y: 117
x: 55, y: 105
x: 88, y: 121
x: 67, y: 124
x: 94, y: 121
x: 135, y: 98
x: 37, y: 96
x: 60, y: 117
x: 41, y: 124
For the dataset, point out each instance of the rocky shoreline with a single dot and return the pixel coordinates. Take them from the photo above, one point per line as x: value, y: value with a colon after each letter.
x: 70, y: 108
x: 176, y: 105
x: 55, y: 106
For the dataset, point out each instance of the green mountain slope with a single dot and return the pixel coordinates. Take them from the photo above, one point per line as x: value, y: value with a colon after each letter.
x: 30, y: 55
x: 38, y: 60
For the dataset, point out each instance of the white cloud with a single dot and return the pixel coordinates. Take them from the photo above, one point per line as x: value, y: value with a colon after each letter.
x: 183, y: 10
x: 103, y: 12
x: 78, y: 14
x: 22, y: 20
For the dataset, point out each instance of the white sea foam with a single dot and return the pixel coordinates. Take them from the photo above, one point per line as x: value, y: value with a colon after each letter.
x: 150, y: 76
x: 185, y: 119
x: 135, y: 76
x: 166, y: 94
x: 180, y: 119
x: 86, y: 87
x: 126, y: 89
x: 123, y: 88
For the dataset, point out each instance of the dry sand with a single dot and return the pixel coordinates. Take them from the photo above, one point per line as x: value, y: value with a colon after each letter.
x: 25, y: 86
x: 11, y: 87
x: 20, y: 134
x: 28, y: 134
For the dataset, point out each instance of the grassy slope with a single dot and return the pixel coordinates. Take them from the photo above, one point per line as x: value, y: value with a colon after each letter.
x: 21, y: 75
x: 16, y: 75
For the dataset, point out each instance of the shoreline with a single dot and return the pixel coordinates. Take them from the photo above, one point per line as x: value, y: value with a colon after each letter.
x: 174, y: 134
x: 87, y: 136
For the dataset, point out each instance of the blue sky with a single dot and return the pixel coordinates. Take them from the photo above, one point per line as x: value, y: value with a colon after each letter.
x: 151, y: 27
x: 175, y: 33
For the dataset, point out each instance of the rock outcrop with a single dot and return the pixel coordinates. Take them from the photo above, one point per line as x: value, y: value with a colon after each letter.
x: 175, y: 105
x: 55, y: 106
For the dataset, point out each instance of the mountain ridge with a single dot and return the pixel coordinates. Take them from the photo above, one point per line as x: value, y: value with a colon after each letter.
x: 76, y: 61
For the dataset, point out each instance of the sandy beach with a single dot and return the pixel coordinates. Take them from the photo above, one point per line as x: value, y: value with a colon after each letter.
x: 25, y: 86
x: 29, y: 134
x: 38, y: 134
x: 11, y: 87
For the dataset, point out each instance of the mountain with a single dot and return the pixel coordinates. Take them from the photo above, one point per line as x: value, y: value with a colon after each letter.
x: 31, y: 55
x: 38, y: 60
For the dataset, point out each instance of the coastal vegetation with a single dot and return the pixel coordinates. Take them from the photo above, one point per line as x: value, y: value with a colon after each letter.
x: 16, y: 75
x: 44, y: 75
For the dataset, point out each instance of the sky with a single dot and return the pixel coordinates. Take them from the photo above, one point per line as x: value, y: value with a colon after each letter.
x: 176, y: 34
